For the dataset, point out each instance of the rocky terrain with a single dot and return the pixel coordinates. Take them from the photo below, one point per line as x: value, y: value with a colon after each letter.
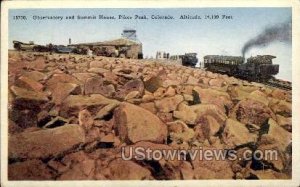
x: 70, y: 115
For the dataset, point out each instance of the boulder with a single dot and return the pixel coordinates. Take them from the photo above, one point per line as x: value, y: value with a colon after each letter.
x: 284, y: 122
x: 130, y: 153
x: 35, y: 75
x: 259, y: 97
x: 26, y: 117
x: 62, y: 78
x: 61, y: 90
x: 80, y: 167
x: 170, y: 82
x: 176, y: 126
x: 100, y: 71
x: 132, y: 95
x: 276, y: 135
x: 85, y: 119
x: 97, y: 85
x: 192, y: 80
x: 270, y: 174
x: 153, y: 84
x: 240, y: 92
x: 186, y: 135
x: 106, y: 110
x: 282, y: 107
x: 29, y: 170
x: 135, y: 124
x: 211, y: 96
x: 186, y: 171
x: 170, y: 92
x: 74, y: 103
x: 165, y: 116
x: 13, y: 127
x: 45, y: 143
x: 217, y: 82
x: 29, y: 84
x: 132, y: 85
x: 278, y: 94
x: 209, y: 167
x: 249, y: 111
x: 149, y: 106
x: 82, y: 77
x: 236, y: 134
x: 168, y: 104
x: 208, y: 125
x: 189, y: 114
x: 127, y: 170
x: 97, y: 63
x: 28, y: 99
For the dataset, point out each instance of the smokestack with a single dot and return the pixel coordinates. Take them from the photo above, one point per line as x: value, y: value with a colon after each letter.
x: 280, y: 32
x: 69, y: 41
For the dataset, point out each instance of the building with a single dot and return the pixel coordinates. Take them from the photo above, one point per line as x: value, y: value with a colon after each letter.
x: 126, y: 47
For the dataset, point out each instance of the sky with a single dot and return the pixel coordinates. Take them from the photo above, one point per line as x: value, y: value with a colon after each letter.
x: 176, y: 36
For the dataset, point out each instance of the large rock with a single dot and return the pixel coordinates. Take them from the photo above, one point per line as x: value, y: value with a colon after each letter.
x: 28, y: 99
x: 149, y: 106
x: 168, y: 104
x: 62, y: 78
x: 259, y: 97
x: 29, y: 84
x: 135, y: 124
x: 45, y: 143
x: 239, y: 92
x: 127, y: 170
x: 189, y: 114
x: 236, y: 134
x: 186, y: 135
x: 35, y: 75
x: 97, y: 63
x: 276, y: 135
x: 278, y: 94
x: 96, y: 85
x: 208, y: 126
x: 61, y: 90
x: 85, y: 119
x: 29, y: 170
x: 132, y: 85
x: 249, y: 111
x: 129, y: 153
x: 79, y: 167
x: 217, y: 82
x: 153, y: 84
x: 211, y: 167
x: 284, y: 122
x: 270, y: 174
x: 82, y: 77
x: 74, y: 103
x: 282, y: 107
x: 211, y: 96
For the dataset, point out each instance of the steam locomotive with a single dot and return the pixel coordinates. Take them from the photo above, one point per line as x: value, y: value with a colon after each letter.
x: 259, y: 68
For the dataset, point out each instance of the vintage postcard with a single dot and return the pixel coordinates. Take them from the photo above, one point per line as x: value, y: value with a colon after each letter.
x: 139, y: 93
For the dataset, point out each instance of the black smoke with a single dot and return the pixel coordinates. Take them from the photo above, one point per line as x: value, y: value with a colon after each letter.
x: 281, y: 32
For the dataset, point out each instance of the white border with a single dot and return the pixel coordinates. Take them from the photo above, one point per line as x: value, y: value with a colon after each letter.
x: 6, y: 5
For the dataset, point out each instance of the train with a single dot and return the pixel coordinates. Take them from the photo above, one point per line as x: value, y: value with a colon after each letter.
x: 188, y: 59
x: 259, y: 68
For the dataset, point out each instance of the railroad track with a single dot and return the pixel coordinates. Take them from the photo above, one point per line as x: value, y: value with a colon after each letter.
x: 285, y: 85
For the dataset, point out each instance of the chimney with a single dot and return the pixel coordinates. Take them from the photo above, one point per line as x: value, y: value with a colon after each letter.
x: 69, y: 41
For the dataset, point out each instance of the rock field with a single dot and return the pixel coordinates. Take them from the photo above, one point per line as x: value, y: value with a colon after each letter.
x: 70, y: 115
